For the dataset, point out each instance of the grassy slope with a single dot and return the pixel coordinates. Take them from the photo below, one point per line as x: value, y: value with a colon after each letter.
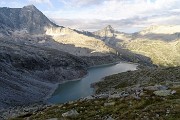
x: 162, y: 53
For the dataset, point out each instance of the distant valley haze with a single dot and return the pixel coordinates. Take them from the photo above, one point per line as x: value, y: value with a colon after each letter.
x: 124, y: 15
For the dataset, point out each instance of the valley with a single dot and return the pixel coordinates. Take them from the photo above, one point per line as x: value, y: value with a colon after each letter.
x: 36, y: 55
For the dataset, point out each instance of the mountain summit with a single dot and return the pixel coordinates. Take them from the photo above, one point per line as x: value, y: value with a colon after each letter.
x: 106, y: 32
x: 109, y: 28
x: 30, y: 7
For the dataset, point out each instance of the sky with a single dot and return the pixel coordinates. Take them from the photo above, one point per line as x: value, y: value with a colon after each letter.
x: 123, y: 15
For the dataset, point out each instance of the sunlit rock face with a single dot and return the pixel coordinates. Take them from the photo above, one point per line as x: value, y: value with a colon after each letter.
x: 91, y: 46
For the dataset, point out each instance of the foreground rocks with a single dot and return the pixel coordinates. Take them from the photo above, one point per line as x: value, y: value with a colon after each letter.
x: 164, y: 92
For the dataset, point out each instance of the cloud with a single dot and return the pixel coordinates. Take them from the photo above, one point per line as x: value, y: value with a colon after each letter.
x: 80, y: 3
x: 11, y: 3
x: 118, y: 13
x: 125, y: 25
x: 95, y: 14
x: 41, y: 1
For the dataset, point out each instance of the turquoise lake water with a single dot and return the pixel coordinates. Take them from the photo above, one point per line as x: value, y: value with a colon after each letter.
x: 75, y: 90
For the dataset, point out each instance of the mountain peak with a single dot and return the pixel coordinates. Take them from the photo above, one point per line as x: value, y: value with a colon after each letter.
x: 32, y: 7
x: 109, y: 29
x: 109, y: 26
x: 107, y: 32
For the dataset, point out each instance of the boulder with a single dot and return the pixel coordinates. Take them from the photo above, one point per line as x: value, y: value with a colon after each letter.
x: 115, y: 96
x: 156, y: 87
x: 109, y: 104
x: 110, y: 118
x: 53, y: 119
x: 162, y: 92
x: 173, y: 92
x: 71, y: 113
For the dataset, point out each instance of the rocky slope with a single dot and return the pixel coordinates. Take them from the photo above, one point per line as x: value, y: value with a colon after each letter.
x: 141, y: 94
x: 88, y: 46
x: 28, y: 74
x: 161, y: 53
x: 160, y: 43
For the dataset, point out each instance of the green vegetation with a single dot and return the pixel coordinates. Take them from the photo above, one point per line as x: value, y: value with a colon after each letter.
x: 149, y: 106
x: 143, y: 77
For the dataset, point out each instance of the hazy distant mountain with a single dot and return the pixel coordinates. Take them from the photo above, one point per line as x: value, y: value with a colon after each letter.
x: 160, y: 43
x: 161, y: 29
x: 114, y: 38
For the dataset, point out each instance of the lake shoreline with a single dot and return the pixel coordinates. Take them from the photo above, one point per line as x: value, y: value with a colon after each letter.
x: 91, y: 67
x: 57, y: 84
